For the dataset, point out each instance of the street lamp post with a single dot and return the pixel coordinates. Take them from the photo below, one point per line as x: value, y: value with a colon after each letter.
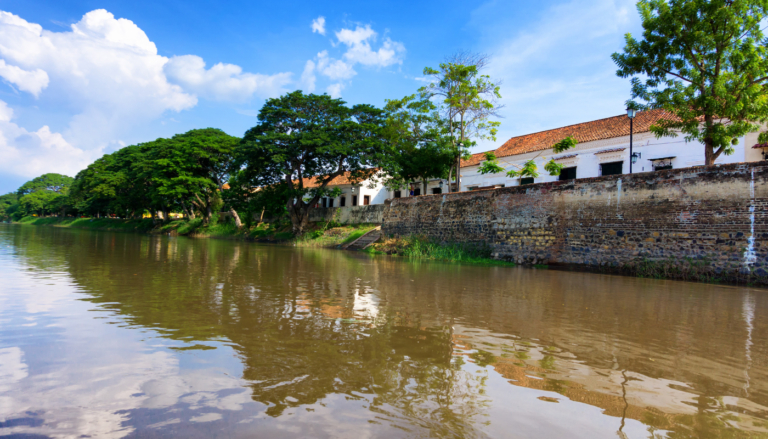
x: 631, y: 114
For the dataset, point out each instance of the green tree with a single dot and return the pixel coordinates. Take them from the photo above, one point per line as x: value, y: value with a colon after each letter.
x: 310, y: 136
x: 6, y: 201
x: 420, y: 147
x: 468, y: 100
x: 703, y: 62
x: 46, y: 182
x: 529, y: 168
x: 191, y: 169
x: 40, y: 202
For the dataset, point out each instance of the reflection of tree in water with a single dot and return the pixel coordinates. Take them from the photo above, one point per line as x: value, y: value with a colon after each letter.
x: 291, y: 317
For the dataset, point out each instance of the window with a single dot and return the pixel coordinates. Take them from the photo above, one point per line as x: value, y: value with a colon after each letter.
x: 437, y: 190
x: 614, y: 168
x: 398, y: 194
x: 568, y: 174
x: 366, y: 200
x: 330, y: 202
x: 325, y: 202
x: 343, y: 201
x: 354, y: 200
x: 662, y: 164
x: 417, y: 192
x: 472, y: 188
x: 527, y: 180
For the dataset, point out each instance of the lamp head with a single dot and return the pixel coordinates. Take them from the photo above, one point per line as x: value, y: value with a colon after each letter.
x: 635, y: 157
x: 631, y: 113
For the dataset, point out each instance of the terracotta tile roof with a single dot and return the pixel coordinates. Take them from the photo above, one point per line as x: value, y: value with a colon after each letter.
x: 760, y: 145
x: 562, y: 157
x: 616, y: 126
x: 340, y: 180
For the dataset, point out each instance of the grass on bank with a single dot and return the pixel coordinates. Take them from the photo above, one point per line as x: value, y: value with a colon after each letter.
x: 422, y: 248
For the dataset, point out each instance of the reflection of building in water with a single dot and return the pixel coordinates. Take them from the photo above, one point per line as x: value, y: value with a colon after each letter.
x: 661, y: 403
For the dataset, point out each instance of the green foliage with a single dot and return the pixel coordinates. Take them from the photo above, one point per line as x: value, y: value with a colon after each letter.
x: 47, y: 182
x: 422, y: 248
x: 564, y: 145
x: 419, y: 146
x: 185, y: 173
x: 529, y: 168
x: 490, y: 165
x: 310, y: 137
x: 706, y: 63
x: 467, y: 99
x: 6, y: 202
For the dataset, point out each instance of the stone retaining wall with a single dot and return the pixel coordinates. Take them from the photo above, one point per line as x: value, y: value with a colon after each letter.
x: 691, y: 216
x: 373, y: 214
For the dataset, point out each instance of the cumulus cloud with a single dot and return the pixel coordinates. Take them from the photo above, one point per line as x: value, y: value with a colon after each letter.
x: 106, y: 70
x: 37, y: 152
x: 358, y: 44
x: 335, y: 89
x: 31, y: 81
x: 308, y: 77
x: 111, y: 79
x: 359, y: 49
x: 223, y: 82
x: 334, y: 68
x: 318, y: 25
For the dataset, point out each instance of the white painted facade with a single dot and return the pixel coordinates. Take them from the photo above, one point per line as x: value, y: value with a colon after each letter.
x: 355, y: 195
x: 588, y: 157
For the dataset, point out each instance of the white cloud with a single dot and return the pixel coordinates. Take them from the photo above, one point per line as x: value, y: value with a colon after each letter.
x: 334, y: 69
x: 31, y: 81
x: 359, y: 49
x: 308, y: 77
x: 335, y: 90
x: 318, y: 25
x: 223, y: 82
x: 109, y: 74
x: 105, y: 69
x: 557, y: 70
x: 34, y: 153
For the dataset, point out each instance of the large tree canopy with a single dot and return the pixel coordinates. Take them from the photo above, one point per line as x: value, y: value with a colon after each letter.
x: 310, y: 136
x: 47, y: 182
x: 184, y: 173
x: 704, y: 62
x: 420, y: 146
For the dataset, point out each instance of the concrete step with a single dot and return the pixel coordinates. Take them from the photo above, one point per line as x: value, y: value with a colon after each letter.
x: 365, y: 240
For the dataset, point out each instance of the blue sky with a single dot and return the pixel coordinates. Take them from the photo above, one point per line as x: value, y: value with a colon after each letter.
x: 84, y: 78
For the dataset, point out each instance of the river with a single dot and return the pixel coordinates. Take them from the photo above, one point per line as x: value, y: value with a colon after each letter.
x: 119, y: 335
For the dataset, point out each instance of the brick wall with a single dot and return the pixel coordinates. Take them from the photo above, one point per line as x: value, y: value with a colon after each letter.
x: 699, y: 216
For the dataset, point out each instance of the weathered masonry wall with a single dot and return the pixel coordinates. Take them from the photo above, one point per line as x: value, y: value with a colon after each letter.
x: 714, y: 217
x: 373, y: 214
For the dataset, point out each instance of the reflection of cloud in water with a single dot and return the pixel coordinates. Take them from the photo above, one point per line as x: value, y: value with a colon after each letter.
x: 92, y: 389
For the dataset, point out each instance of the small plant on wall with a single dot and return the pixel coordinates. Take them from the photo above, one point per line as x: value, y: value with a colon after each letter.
x: 529, y: 168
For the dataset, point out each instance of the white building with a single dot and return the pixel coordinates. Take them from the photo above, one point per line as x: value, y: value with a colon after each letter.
x: 363, y: 193
x: 603, y: 149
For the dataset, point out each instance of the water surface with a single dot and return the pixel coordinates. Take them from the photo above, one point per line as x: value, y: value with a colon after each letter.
x: 115, y: 335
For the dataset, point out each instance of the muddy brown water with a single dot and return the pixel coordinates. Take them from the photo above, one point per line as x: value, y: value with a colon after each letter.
x: 118, y: 335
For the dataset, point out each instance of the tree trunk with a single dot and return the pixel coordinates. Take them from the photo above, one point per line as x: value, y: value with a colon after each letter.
x: 299, y: 218
x: 208, y: 214
x: 166, y: 215
x: 424, y: 187
x: 450, y: 177
x: 238, y: 223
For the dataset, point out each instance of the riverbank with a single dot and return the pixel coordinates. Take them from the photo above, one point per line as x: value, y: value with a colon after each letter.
x: 323, y: 235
